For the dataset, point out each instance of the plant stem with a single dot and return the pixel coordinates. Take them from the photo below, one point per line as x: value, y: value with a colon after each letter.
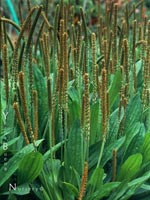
x: 101, y: 152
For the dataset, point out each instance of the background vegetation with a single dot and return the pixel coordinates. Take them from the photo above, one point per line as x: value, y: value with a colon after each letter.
x: 75, y: 102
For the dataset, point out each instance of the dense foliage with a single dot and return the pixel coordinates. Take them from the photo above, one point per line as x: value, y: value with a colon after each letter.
x: 75, y: 103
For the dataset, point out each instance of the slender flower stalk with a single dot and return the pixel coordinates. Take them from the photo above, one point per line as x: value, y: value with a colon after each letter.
x: 134, y: 54
x: 60, y: 105
x: 23, y: 28
x: 86, y: 54
x: 29, y: 5
x: 104, y: 107
x: 100, y: 35
x: 148, y: 36
x: 62, y: 9
x: 47, y: 23
x: 66, y: 11
x: 146, y: 70
x: 20, y: 122
x: 78, y: 55
x: 144, y: 28
x: 83, y: 182
x: 20, y: 13
x: 35, y: 105
x: 105, y: 48
x: 5, y: 70
x: 31, y: 76
x: 9, y: 21
x: 65, y: 98
x: 25, y: 106
x: 65, y: 64
x: 109, y: 50
x: 122, y: 92
x: 15, y: 53
x: 32, y: 28
x: 83, y: 113
x: 93, y: 40
x: 114, y: 164
x: 126, y: 62
x: 29, y: 9
x: 72, y: 12
x: 114, y: 45
x: 1, y: 33
x: 46, y: 55
x: 79, y: 41
x: 122, y: 36
x: 127, y: 19
x: 140, y: 35
x: 46, y: 7
x: 61, y: 86
x: 56, y: 22
x: 38, y: 38
x: 86, y: 110
x: 74, y: 53
x: 61, y: 32
x: 104, y: 102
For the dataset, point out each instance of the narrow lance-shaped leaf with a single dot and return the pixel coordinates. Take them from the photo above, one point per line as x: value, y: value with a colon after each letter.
x: 130, y: 167
x: 115, y: 88
x: 30, y: 167
x: 13, y: 163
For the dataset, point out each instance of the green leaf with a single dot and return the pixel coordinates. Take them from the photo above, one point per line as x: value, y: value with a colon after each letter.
x: 71, y: 189
x: 114, y: 124
x: 133, y: 132
x: 136, y: 140
x: 115, y: 87
x: 39, y: 191
x: 138, y: 66
x: 70, y: 84
x: 13, y: 163
x: 134, y: 185
x: 49, y: 179
x: 139, y: 73
x: 0, y: 115
x: 94, y: 122
x: 73, y: 94
x: 71, y: 176
x: 40, y: 86
x: 52, y: 150
x: 19, y: 190
x: 107, y: 154
x: 139, y: 181
x: 30, y: 167
x: 132, y: 122
x: 96, y: 180
x: 52, y: 166
x: 104, y: 192
x: 74, y: 111
x: 2, y: 97
x: 12, y: 197
x: 145, y: 149
x: 133, y: 113
x: 11, y: 142
x: 9, y: 117
x: 74, y: 156
x: 130, y: 167
x: 119, y: 191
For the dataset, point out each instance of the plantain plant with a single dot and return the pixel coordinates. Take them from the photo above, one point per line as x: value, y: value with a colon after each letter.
x: 75, y: 104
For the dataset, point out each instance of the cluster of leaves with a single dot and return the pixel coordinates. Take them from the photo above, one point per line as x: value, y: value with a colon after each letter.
x: 75, y: 115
